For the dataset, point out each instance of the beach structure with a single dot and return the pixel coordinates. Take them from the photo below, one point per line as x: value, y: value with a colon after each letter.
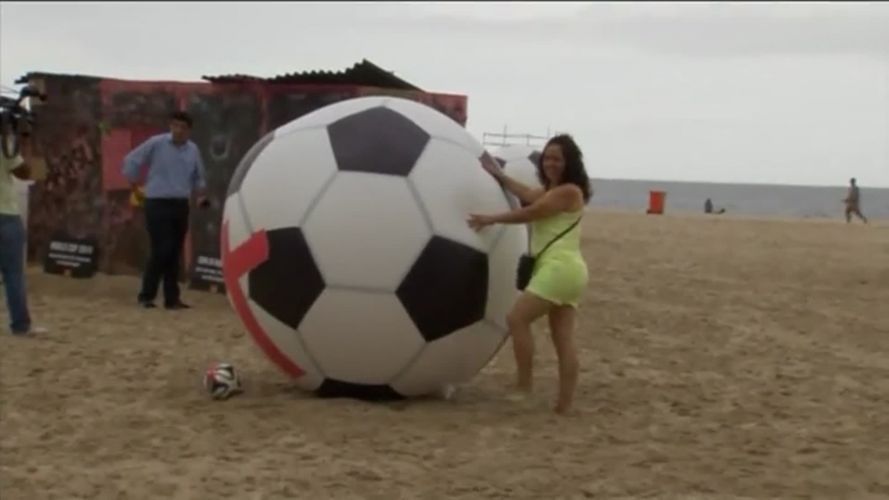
x: 89, y: 123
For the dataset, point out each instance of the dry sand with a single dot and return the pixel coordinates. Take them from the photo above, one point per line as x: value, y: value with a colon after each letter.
x: 721, y: 358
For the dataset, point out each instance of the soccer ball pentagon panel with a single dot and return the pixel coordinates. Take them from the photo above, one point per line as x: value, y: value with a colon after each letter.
x: 347, y: 256
x: 520, y: 163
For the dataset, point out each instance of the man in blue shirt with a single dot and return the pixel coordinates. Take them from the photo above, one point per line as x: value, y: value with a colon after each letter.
x: 175, y: 172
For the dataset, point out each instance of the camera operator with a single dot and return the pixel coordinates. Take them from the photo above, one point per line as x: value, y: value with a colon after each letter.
x: 13, y: 235
x: 16, y: 121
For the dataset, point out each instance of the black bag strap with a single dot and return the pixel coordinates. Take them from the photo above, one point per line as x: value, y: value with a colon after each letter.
x: 563, y: 233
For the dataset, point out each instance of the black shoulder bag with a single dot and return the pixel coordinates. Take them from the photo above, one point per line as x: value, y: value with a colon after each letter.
x: 526, y: 261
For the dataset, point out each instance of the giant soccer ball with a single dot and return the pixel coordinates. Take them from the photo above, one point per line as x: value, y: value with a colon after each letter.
x: 347, y: 256
x: 520, y: 163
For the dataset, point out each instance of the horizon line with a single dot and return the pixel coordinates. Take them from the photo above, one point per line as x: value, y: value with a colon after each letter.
x: 738, y: 183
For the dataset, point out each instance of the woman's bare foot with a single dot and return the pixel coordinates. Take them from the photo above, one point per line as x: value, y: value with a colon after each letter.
x: 563, y: 408
x: 519, y: 396
x: 447, y: 392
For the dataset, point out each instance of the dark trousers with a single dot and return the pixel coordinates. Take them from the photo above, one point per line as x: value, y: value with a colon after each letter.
x: 167, y: 223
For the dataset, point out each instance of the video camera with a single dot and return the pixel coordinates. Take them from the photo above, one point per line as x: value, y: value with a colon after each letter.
x: 16, y: 120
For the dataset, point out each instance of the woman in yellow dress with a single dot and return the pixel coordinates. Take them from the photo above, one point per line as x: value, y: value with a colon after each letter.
x: 560, y: 273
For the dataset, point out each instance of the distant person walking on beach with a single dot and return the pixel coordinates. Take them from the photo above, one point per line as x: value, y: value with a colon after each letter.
x: 853, y: 202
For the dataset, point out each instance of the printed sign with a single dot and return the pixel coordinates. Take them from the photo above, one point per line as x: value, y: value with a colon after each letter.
x: 206, y: 274
x: 77, y: 258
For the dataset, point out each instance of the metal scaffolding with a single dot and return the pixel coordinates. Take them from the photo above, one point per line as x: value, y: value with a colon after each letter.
x: 506, y: 139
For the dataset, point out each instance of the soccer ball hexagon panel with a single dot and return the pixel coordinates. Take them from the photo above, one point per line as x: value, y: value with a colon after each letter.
x: 347, y: 257
x: 377, y: 213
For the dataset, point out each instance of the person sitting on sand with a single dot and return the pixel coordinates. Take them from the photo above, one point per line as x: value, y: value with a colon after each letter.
x: 560, y: 275
x: 853, y: 202
x: 708, y: 207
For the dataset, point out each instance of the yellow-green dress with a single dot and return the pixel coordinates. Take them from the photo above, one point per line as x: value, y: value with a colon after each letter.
x: 560, y: 274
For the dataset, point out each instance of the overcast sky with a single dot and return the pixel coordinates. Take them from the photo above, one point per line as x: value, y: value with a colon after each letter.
x: 749, y: 92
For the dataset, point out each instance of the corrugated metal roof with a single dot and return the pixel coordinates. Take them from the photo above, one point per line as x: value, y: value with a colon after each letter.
x: 41, y: 74
x: 362, y: 73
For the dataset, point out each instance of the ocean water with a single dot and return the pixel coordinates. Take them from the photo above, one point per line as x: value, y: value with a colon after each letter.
x: 741, y: 199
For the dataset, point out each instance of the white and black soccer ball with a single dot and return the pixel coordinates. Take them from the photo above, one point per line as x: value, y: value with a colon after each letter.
x: 347, y: 256
x: 222, y: 381
x: 520, y: 162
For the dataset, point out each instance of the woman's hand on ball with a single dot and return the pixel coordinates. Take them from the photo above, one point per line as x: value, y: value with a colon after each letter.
x: 477, y: 221
x: 495, y: 170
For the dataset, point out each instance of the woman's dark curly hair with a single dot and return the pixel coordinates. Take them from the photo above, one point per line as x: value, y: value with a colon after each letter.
x: 575, y: 171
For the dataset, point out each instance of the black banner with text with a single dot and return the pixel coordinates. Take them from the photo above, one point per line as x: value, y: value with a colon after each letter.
x: 74, y: 257
x: 206, y: 274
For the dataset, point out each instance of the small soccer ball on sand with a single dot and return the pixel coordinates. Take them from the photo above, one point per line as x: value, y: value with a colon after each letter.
x: 222, y: 381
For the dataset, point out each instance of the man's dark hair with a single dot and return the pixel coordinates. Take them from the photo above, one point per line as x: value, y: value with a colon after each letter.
x: 182, y: 116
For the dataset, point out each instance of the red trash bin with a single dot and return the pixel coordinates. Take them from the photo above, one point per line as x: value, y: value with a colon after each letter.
x: 656, y: 201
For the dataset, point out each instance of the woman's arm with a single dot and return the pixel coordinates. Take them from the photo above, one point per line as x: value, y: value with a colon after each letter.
x: 560, y: 199
x: 525, y: 193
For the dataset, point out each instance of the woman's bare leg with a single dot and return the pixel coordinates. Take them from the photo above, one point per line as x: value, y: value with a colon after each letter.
x: 561, y: 325
x: 525, y: 311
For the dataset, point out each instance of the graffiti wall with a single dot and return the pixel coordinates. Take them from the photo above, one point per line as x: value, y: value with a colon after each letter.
x: 88, y: 125
x: 68, y: 197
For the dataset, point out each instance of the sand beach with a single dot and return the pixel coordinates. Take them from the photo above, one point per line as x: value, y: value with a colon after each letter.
x: 721, y: 358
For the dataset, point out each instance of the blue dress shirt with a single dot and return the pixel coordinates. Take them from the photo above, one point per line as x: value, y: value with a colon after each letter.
x: 174, y: 171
